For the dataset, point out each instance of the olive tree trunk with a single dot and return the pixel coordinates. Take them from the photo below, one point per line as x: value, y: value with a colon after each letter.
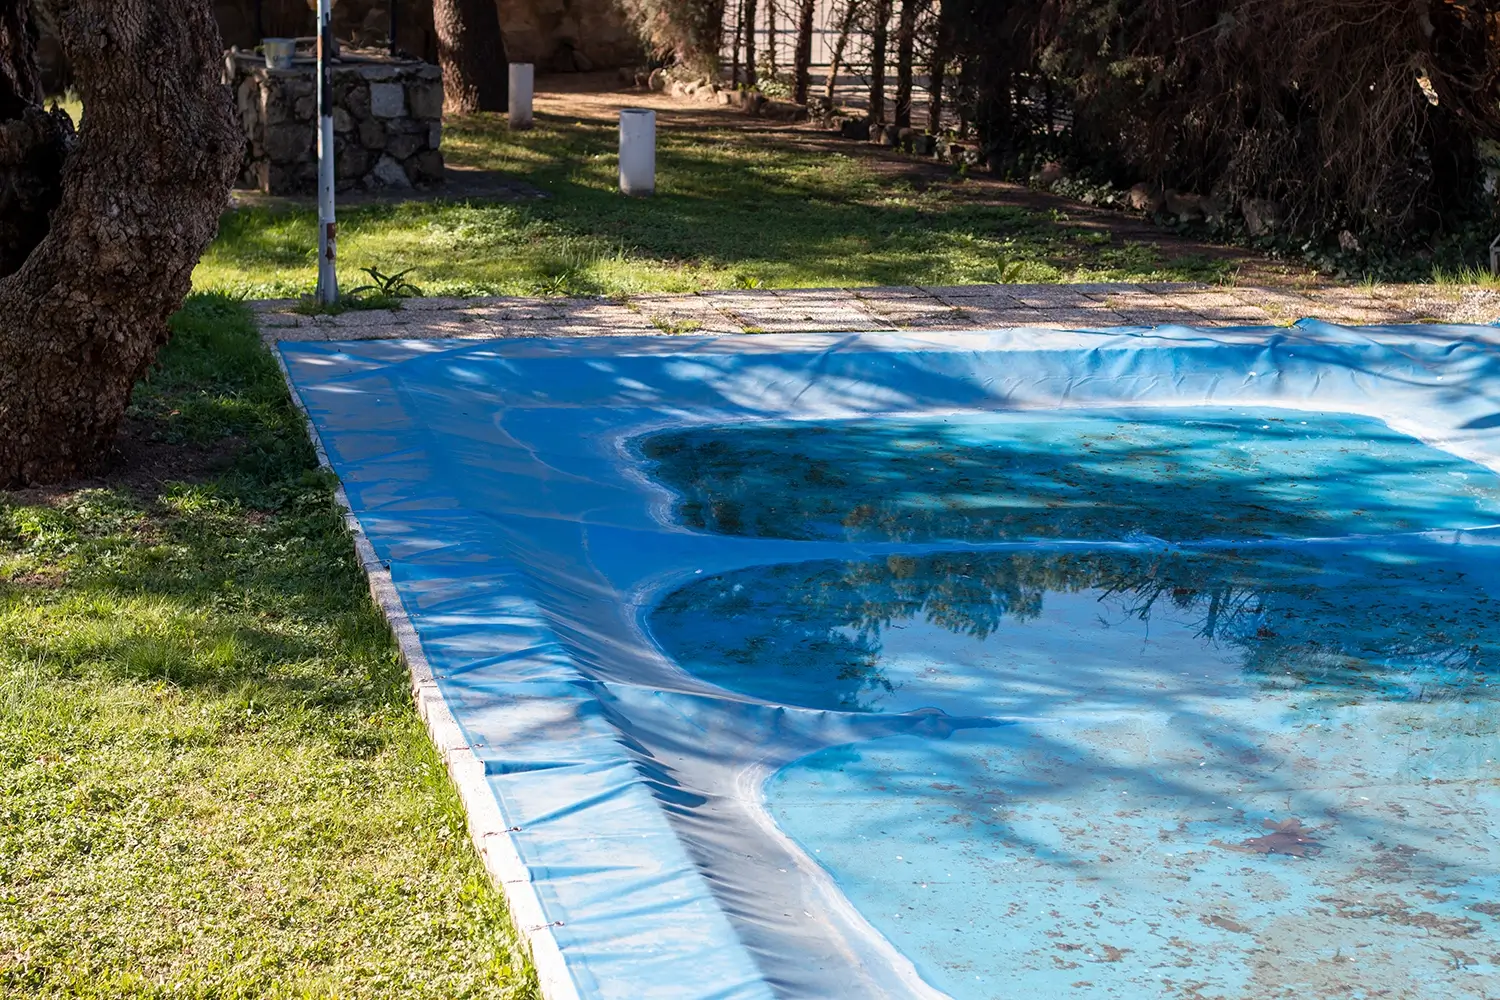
x: 82, y: 317
x: 471, y: 51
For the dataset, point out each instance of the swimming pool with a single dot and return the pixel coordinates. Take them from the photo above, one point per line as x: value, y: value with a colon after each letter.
x: 1101, y: 664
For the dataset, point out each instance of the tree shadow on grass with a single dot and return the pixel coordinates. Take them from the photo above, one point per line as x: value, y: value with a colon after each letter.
x: 209, y: 554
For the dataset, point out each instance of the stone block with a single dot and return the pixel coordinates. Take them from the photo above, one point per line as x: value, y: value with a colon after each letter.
x: 275, y: 109
x: 289, y: 143
x: 291, y: 178
x: 379, y: 72
x: 306, y: 108
x: 1145, y: 197
x: 1049, y: 175
x: 785, y: 111
x: 343, y: 121
x: 402, y: 145
x: 435, y: 136
x: 372, y: 134
x: 295, y: 83
x: 1262, y: 216
x: 855, y: 128
x: 387, y: 100
x: 425, y: 99
x: 426, y: 168
x: 352, y: 162
x: 357, y: 100
x: 389, y: 173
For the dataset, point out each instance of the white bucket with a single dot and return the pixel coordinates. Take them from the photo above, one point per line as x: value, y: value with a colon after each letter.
x: 522, y: 82
x: 279, y: 52
x: 637, y: 151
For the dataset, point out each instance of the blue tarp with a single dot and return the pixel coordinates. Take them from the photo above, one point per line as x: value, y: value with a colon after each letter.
x: 1029, y: 663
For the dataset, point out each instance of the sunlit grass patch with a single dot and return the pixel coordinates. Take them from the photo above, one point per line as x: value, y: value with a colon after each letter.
x: 213, y: 782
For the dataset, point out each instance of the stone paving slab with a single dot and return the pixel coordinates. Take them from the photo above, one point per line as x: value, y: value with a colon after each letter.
x: 972, y: 307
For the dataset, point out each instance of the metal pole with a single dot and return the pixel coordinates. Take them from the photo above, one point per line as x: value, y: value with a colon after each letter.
x: 328, y: 281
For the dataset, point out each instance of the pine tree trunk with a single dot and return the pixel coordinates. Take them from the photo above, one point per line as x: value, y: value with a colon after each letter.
x: 471, y: 51
x: 750, y: 72
x: 771, y: 37
x: 840, y: 46
x: 83, y: 317
x: 942, y: 44
x: 802, y: 65
x: 739, y: 29
x: 880, y: 18
x: 906, y: 43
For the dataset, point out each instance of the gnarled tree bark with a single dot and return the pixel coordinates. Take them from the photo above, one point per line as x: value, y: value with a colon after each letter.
x: 33, y: 143
x: 471, y: 51
x: 142, y: 189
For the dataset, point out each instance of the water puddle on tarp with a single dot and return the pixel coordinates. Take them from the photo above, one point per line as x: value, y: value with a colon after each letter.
x: 1228, y: 769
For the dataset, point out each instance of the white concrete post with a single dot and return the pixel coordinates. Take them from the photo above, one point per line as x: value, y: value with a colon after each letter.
x: 522, y: 84
x: 328, y: 280
x: 637, y: 151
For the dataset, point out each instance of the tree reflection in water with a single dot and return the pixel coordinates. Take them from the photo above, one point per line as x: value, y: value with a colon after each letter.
x: 1407, y: 622
x: 1178, y: 474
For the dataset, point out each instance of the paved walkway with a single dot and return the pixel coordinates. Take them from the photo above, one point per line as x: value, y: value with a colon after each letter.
x: 966, y: 307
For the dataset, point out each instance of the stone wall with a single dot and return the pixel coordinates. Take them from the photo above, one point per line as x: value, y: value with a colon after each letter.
x: 387, y: 122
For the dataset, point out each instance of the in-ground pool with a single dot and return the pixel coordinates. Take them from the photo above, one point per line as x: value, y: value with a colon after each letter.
x: 1120, y: 664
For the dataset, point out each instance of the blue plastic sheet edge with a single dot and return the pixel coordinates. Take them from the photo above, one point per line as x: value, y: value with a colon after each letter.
x: 647, y: 923
x: 487, y: 827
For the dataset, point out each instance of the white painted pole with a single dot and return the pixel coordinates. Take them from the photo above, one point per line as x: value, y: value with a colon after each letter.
x: 637, y: 151
x: 522, y: 84
x: 328, y: 281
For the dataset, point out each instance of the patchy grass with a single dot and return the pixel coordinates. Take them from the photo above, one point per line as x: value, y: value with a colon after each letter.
x: 729, y: 212
x: 213, y: 782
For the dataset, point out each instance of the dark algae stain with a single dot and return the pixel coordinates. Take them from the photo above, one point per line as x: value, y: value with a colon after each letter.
x: 1287, y: 837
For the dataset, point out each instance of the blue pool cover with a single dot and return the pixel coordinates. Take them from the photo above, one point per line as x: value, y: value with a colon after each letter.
x: 1126, y: 664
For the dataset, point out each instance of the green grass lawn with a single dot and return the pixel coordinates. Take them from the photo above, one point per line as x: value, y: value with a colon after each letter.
x: 730, y: 212
x: 213, y: 783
